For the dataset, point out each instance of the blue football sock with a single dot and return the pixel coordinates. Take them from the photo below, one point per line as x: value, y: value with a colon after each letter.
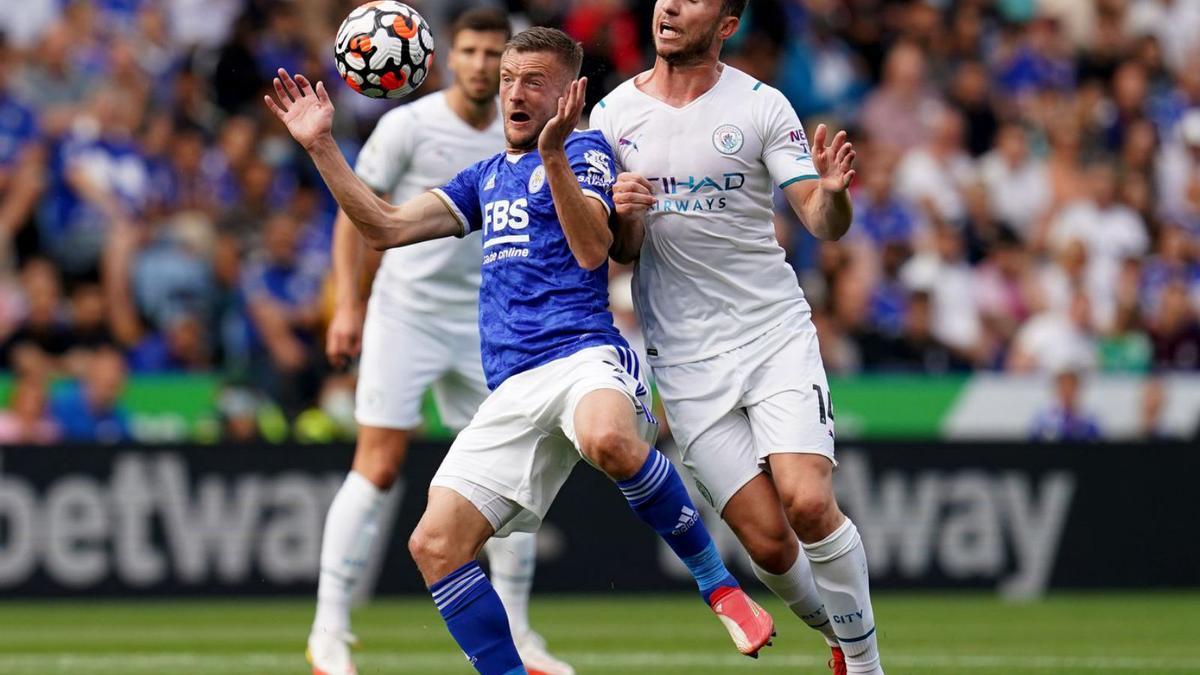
x: 473, y: 613
x: 658, y: 497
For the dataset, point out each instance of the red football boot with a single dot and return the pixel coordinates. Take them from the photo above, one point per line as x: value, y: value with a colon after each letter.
x: 837, y: 662
x: 750, y: 626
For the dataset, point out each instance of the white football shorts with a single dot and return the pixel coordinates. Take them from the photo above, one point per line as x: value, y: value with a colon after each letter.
x: 514, y: 457
x: 403, y: 354
x: 730, y: 412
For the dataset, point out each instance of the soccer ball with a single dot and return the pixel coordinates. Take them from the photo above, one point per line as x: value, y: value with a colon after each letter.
x: 384, y: 49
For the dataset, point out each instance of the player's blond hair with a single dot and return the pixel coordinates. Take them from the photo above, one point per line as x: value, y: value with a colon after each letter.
x: 552, y: 40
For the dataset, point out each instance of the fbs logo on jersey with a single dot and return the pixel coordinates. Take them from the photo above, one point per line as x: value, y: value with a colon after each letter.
x: 503, y: 215
x: 599, y: 170
x: 728, y: 139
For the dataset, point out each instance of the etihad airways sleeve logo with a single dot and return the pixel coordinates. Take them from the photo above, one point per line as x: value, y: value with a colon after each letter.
x: 599, y: 169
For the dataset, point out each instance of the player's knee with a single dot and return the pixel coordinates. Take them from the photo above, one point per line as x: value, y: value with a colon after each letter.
x: 773, y: 548
x: 809, y: 512
x: 431, y: 548
x: 613, y: 451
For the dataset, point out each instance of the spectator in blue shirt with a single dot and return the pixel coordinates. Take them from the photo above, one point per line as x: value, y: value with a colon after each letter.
x: 281, y: 293
x: 99, y: 178
x: 89, y: 410
x: 22, y: 163
x: 1066, y: 420
x: 880, y: 215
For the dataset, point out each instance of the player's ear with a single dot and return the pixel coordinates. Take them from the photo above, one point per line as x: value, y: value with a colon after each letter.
x: 729, y: 26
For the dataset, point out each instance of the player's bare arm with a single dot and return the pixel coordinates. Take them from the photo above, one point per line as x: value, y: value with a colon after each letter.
x: 824, y: 204
x: 308, y: 114
x: 343, y: 339
x: 634, y: 197
x: 584, y: 220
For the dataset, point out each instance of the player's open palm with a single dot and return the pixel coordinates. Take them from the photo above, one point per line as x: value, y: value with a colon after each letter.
x: 570, y: 108
x: 305, y: 110
x: 834, y: 162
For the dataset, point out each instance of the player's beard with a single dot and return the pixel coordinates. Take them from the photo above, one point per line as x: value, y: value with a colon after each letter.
x: 692, y: 52
x: 526, y: 143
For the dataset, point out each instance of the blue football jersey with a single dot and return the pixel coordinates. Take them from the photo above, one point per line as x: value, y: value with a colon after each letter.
x: 536, y: 304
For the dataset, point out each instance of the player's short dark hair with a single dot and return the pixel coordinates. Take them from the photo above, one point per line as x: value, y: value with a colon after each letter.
x: 733, y: 8
x: 481, y: 20
x: 552, y: 40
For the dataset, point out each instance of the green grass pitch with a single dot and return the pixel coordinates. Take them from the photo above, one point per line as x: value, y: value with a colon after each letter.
x: 964, y: 634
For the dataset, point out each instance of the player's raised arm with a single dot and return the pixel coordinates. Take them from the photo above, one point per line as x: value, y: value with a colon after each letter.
x: 584, y: 220
x: 308, y: 114
x: 823, y: 204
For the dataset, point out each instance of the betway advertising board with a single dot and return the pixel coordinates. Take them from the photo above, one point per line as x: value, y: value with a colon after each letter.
x: 1018, y: 519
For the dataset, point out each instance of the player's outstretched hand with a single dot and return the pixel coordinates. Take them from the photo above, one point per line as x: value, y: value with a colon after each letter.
x: 633, y: 195
x: 570, y: 108
x: 834, y: 162
x: 305, y: 110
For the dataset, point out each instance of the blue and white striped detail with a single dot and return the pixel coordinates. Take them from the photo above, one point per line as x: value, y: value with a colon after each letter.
x: 649, y: 416
x: 632, y: 365
x: 454, y: 590
x: 648, y: 480
x: 629, y: 361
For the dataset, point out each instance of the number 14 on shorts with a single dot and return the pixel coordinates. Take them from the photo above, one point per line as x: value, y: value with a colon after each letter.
x: 824, y: 404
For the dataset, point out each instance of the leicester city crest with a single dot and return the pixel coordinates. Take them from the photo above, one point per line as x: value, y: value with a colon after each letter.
x: 728, y: 139
x: 537, y: 179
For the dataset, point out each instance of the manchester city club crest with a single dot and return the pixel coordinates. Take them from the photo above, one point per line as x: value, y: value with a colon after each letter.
x: 728, y: 139
x: 537, y: 179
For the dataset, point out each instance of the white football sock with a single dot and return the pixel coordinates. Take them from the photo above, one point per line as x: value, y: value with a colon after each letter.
x: 511, y: 561
x: 797, y: 590
x: 839, y: 566
x: 350, y: 528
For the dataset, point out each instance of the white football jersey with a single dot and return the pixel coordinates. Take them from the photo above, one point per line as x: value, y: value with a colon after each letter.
x: 711, y: 276
x: 414, y: 148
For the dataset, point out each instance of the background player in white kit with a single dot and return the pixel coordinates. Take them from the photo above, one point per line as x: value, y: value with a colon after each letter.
x: 728, y: 331
x: 421, y: 331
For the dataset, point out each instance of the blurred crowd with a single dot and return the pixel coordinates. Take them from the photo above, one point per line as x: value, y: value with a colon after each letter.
x: 1028, y: 195
x: 1030, y: 185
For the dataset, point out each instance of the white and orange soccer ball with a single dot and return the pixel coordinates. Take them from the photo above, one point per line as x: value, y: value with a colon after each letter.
x: 384, y: 49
